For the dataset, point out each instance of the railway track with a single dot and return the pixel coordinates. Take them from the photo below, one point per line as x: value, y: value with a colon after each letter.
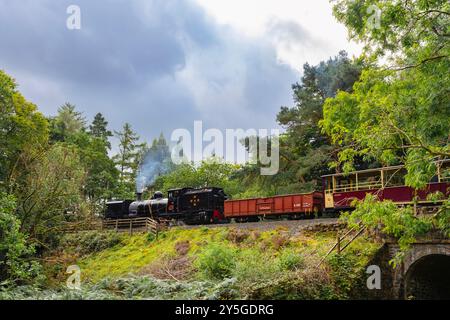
x: 147, y: 224
x: 291, y: 225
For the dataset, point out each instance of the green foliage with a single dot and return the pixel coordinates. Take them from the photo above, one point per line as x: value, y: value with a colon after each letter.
x: 49, y: 192
x: 67, y: 123
x: 23, y: 129
x: 216, y: 262
x: 101, y: 172
x: 136, y: 287
x: 15, y: 252
x: 386, y: 217
x: 252, y: 267
x: 127, y: 160
x: 442, y: 219
x: 69, y: 126
x: 84, y: 243
x: 225, y: 264
x: 290, y: 260
x: 342, y: 270
x: 397, y: 113
x: 99, y: 129
x: 211, y: 172
x: 394, y: 119
x: 151, y: 237
x: 404, y: 26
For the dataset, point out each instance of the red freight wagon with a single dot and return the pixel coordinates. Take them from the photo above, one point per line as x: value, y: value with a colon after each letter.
x: 294, y: 205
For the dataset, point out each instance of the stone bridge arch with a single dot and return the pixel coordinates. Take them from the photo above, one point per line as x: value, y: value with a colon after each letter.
x: 424, y: 273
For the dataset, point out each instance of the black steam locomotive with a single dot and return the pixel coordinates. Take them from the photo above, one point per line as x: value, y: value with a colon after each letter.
x: 192, y: 206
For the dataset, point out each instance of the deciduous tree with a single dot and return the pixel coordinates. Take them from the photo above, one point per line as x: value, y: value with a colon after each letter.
x: 50, y: 191
x: 22, y: 127
x: 14, y: 249
x: 399, y: 111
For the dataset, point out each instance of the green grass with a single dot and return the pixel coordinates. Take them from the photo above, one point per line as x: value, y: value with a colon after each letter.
x: 262, y: 265
x: 138, y: 251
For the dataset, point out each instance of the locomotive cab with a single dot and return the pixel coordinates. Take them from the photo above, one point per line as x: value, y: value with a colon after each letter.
x: 203, y: 205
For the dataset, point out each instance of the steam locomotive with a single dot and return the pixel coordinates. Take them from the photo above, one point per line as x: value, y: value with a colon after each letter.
x: 190, y: 205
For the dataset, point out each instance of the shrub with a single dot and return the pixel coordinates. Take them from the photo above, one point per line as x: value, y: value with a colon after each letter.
x: 312, y: 284
x: 85, y: 243
x: 182, y: 247
x: 343, y: 273
x: 290, y: 260
x: 151, y: 237
x: 179, y: 268
x: 253, y: 267
x: 134, y: 287
x: 216, y: 262
x: 204, y: 229
x: 237, y: 235
x: 162, y: 235
x: 15, y: 251
x: 280, y: 240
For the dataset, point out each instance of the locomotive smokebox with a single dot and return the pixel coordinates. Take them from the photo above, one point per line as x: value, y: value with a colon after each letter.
x: 139, y: 196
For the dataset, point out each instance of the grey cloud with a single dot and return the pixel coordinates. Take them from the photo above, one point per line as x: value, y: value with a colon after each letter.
x: 159, y: 64
x: 112, y: 48
x: 288, y: 31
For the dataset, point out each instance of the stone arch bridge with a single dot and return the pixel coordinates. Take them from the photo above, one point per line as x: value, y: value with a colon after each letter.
x: 423, y: 274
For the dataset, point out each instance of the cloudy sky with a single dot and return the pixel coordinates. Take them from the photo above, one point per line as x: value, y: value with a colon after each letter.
x: 161, y: 64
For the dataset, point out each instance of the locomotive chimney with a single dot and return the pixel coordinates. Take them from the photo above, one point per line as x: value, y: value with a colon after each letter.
x: 139, y: 196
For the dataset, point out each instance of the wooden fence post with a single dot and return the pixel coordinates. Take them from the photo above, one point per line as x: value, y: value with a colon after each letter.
x: 338, y: 247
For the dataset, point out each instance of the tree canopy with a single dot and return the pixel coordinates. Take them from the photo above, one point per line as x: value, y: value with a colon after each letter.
x: 99, y: 129
x: 212, y: 172
x: 67, y: 123
x: 399, y: 112
x: 22, y: 128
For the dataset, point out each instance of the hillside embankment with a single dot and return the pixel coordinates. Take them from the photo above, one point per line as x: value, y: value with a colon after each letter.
x: 275, y: 262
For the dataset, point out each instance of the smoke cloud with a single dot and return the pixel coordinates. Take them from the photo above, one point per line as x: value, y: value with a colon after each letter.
x: 156, y: 162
